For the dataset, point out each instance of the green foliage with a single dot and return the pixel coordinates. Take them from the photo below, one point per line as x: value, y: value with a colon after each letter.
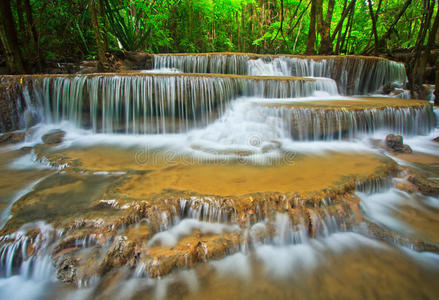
x: 64, y: 27
x: 129, y: 22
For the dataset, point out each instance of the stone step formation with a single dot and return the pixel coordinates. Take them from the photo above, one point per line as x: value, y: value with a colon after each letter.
x: 219, y: 175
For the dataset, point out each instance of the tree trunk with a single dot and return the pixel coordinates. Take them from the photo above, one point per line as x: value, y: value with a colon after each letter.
x: 101, y: 19
x: 8, y: 36
x: 102, y: 59
x: 436, y: 92
x: 325, y: 30
x: 349, y: 31
x: 416, y: 66
x: 433, y: 36
x: 238, y: 32
x: 373, y: 17
x: 299, y: 19
x: 33, y: 34
x: 242, y: 49
x: 339, y: 28
x: 293, y: 16
x: 311, y: 41
x: 398, y: 17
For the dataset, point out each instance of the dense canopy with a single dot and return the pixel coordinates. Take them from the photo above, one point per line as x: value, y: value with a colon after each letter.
x: 53, y: 29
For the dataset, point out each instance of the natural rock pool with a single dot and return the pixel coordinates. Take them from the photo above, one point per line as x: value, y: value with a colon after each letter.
x: 250, y: 184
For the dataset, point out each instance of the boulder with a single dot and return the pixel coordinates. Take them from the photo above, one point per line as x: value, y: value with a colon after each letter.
x: 54, y: 137
x: 12, y: 137
x: 120, y: 253
x: 390, y: 87
x: 138, y: 61
x: 406, y: 149
x: 66, y: 267
x: 395, y: 142
x: 425, y: 186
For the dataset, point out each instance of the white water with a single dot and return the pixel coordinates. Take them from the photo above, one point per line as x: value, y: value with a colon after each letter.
x: 186, y: 227
x: 262, y: 132
x: 382, y: 208
x: 5, y: 214
x: 239, y: 124
x: 278, y: 263
x: 354, y: 75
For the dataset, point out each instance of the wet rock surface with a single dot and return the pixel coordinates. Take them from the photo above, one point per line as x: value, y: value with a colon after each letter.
x: 111, y: 220
x: 55, y: 136
x: 271, y: 221
x: 12, y: 137
x: 395, y: 142
x: 424, y: 184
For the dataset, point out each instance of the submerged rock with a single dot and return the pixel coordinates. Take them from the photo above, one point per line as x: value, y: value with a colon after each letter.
x: 12, y: 137
x: 425, y: 186
x: 391, y: 87
x: 406, y: 149
x: 395, y: 142
x: 66, y: 269
x: 404, y: 183
x: 121, y: 252
x: 55, y: 136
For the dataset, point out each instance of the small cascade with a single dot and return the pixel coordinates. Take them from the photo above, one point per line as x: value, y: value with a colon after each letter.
x: 355, y: 75
x: 20, y: 107
x: 374, y: 186
x: 308, y: 124
x: 140, y: 104
x: 271, y: 165
x: 34, y: 250
x: 294, y: 88
x: 209, y: 63
x: 27, y: 253
x: 208, y: 210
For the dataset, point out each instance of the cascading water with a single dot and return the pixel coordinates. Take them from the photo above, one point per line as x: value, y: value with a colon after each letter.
x: 139, y: 104
x: 354, y: 75
x: 146, y: 220
x: 213, y: 63
x: 306, y: 124
x: 157, y: 103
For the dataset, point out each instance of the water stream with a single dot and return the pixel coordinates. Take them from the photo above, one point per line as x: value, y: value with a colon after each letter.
x: 259, y: 178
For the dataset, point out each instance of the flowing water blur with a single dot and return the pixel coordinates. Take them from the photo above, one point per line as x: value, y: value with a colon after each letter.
x: 227, y: 162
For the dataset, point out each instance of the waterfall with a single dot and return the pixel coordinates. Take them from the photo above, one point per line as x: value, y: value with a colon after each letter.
x: 138, y: 104
x: 355, y: 75
x: 165, y: 103
x: 28, y: 256
x: 307, y: 124
x: 211, y: 63
x: 148, y: 103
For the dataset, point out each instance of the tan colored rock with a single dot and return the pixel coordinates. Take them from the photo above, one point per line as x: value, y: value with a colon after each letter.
x: 55, y: 136
x: 395, y: 143
x: 120, y: 254
x: 12, y: 137
x: 425, y: 186
x: 406, y: 186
